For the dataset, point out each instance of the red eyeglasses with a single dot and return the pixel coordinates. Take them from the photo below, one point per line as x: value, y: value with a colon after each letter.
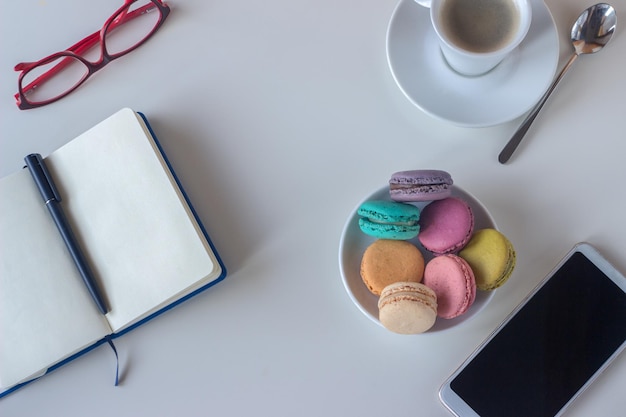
x: 57, y: 75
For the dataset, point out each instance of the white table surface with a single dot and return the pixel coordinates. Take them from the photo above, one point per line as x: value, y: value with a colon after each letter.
x: 279, y: 116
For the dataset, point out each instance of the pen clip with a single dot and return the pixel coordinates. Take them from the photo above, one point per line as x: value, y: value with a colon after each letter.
x: 49, y: 191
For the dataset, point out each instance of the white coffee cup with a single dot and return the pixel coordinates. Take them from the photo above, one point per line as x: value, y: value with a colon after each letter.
x: 476, y: 35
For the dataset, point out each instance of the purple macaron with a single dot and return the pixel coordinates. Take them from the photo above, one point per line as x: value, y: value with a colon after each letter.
x: 420, y: 185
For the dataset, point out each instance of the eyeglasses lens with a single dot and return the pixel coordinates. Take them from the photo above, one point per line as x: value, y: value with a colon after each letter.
x: 53, y: 79
x: 126, y: 31
x: 131, y: 27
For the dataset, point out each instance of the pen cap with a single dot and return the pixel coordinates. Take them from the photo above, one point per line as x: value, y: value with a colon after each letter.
x: 42, y: 177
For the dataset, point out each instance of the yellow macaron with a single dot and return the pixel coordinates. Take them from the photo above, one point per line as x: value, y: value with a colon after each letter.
x: 491, y: 256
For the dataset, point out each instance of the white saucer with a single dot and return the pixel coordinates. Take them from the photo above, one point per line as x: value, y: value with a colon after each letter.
x: 354, y: 242
x: 501, y: 95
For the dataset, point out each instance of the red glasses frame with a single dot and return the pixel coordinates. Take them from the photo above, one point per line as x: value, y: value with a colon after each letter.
x: 74, y: 52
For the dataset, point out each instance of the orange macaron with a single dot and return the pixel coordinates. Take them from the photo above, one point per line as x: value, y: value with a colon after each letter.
x: 387, y: 261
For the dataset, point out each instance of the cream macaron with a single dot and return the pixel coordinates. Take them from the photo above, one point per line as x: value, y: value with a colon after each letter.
x: 407, y: 307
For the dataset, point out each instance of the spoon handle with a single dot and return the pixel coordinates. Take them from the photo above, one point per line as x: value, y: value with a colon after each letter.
x: 515, y: 140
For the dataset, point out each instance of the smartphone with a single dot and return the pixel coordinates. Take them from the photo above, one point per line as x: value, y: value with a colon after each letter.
x: 550, y: 348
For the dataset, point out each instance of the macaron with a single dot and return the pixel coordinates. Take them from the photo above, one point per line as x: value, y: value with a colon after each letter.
x: 407, y: 307
x: 491, y: 256
x: 446, y: 225
x: 420, y: 185
x: 452, y: 280
x: 387, y: 261
x: 385, y: 219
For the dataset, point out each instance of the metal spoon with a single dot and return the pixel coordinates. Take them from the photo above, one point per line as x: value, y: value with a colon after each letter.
x: 591, y: 31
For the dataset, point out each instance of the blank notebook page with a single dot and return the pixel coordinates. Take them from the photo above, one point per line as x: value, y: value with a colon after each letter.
x: 142, y: 239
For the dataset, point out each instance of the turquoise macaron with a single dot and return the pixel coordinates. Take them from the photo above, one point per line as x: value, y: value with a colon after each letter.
x: 385, y: 219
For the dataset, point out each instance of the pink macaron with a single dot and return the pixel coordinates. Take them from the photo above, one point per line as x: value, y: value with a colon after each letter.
x: 452, y: 280
x: 446, y: 225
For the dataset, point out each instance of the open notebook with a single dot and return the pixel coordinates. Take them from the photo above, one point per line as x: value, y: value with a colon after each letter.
x: 148, y: 249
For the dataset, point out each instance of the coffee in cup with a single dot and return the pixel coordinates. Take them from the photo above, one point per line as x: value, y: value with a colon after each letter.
x: 476, y: 35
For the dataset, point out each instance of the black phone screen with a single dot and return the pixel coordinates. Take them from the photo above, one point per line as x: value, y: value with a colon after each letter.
x: 550, y: 348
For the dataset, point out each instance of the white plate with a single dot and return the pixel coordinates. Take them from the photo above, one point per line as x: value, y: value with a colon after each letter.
x: 354, y: 242
x: 501, y: 95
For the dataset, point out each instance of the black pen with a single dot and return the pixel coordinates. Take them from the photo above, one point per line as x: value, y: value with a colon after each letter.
x: 52, y: 199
